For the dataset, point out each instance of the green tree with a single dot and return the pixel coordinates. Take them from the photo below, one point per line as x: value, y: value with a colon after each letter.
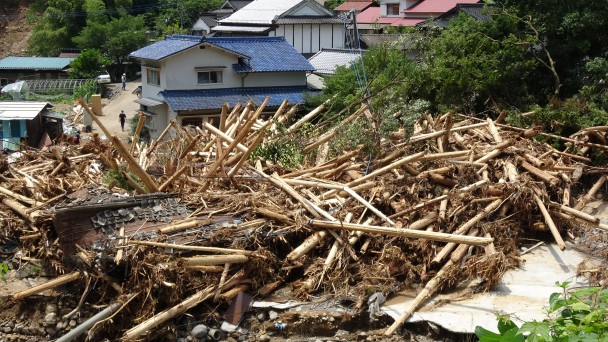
x: 55, y: 29
x: 96, y: 11
x: 574, y: 32
x: 183, y: 13
x: 116, y: 38
x: 88, y: 64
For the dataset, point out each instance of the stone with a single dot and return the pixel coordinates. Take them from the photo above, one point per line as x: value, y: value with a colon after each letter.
x: 332, y: 319
x: 231, y: 339
x: 227, y: 327
x: 341, y: 332
x: 73, y: 323
x: 7, y: 330
x: 264, y: 338
x: 199, y: 331
x: 243, y: 338
x: 50, y: 318
x: 262, y: 316
x: 50, y: 330
x: 273, y: 315
x: 10, y: 324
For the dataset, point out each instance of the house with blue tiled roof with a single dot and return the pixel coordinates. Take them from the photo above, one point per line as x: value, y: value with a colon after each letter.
x: 189, y: 78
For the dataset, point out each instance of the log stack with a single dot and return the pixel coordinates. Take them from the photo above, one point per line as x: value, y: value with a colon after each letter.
x: 453, y: 201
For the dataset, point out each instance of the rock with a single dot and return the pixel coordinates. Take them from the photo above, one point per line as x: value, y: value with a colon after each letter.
x: 10, y: 324
x: 341, y: 332
x: 273, y: 315
x: 199, y: 331
x: 227, y: 327
x: 50, y: 330
x: 231, y: 339
x: 332, y: 319
x: 73, y: 323
x: 243, y: 338
x: 7, y: 330
x: 262, y: 316
x: 50, y: 319
x: 264, y: 338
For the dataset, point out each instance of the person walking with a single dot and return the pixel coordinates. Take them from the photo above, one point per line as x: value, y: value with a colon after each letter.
x: 124, y: 81
x: 122, y: 117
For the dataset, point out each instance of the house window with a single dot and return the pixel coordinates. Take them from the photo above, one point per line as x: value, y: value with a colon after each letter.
x: 197, y: 122
x: 392, y: 9
x: 153, y: 76
x: 210, y: 77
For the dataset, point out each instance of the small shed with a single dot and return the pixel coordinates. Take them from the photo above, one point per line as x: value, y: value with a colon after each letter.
x: 24, y: 123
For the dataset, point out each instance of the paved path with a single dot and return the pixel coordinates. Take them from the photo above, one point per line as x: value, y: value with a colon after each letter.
x: 111, y: 109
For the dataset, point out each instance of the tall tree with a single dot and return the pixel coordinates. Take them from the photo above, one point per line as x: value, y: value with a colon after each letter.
x: 88, y: 64
x: 60, y: 22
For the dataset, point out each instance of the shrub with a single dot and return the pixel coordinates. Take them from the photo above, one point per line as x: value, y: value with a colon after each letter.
x: 577, y: 315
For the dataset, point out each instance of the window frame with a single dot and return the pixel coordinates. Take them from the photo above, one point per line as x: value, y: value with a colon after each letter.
x: 150, y: 78
x: 392, y: 7
x: 219, y: 77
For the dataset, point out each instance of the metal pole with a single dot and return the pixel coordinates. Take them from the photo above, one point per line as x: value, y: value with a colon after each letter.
x: 86, y: 325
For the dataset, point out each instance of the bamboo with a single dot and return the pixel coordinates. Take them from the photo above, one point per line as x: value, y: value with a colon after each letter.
x: 494, y: 131
x: 249, y: 151
x: 133, y: 183
x: 173, y: 177
x: 443, y: 206
x: 209, y: 269
x: 534, y: 161
x: 429, y: 219
x: 188, y: 224
x: 61, y: 280
x: 550, y: 223
x: 273, y: 215
x: 402, y: 232
x: 224, y: 136
x: 26, y: 213
x: 576, y: 213
x: 190, y: 146
x: 332, y: 132
x: 214, y: 260
x: 311, y: 242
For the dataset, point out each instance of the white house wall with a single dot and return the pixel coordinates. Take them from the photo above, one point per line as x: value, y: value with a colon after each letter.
x: 403, y: 5
x: 311, y: 38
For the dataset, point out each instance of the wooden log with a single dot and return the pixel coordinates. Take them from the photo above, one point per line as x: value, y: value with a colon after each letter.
x: 544, y: 176
x: 331, y: 255
x: 133, y: 183
x: 307, y: 117
x: 190, y: 146
x: 428, y: 290
x: 173, y: 177
x: 95, y: 118
x: 149, y: 183
x: 591, y: 194
x: 61, y: 280
x: 443, y: 206
x: 191, y: 248
x: 494, y: 131
x: 534, y: 161
x: 442, y: 180
x: 209, y: 269
x: 464, y: 228
x: 160, y: 138
x: 187, y: 224
x: 511, y: 172
x: 19, y: 197
x: 311, y: 242
x: 332, y: 132
x: 402, y: 232
x: 575, y: 212
x: 550, y: 223
x: 383, y: 170
x: 166, y: 315
x: 427, y: 220
x: 33, y: 216
x: 214, y: 260
x: 274, y: 215
x: 140, y: 125
x: 224, y: 136
x: 250, y: 150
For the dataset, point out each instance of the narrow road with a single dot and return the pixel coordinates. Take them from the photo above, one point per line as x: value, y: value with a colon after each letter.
x: 111, y: 109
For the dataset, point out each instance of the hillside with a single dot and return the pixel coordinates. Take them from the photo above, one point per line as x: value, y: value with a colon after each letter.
x: 14, y: 32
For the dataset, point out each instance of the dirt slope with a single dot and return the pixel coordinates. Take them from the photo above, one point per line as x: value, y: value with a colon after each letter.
x: 14, y: 33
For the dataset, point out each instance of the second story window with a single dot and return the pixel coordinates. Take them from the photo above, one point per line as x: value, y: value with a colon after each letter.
x: 153, y: 76
x: 210, y: 77
x: 392, y: 9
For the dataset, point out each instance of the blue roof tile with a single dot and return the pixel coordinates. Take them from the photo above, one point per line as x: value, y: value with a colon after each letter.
x: 187, y: 100
x: 261, y: 54
x: 165, y: 48
x: 35, y: 63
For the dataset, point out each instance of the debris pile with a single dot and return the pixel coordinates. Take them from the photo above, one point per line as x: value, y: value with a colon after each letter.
x: 453, y: 201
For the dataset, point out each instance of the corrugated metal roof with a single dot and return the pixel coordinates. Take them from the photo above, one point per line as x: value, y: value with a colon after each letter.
x: 262, y: 54
x: 261, y: 11
x: 192, y: 100
x: 308, y: 20
x: 327, y: 60
x: 21, y: 110
x: 238, y: 4
x: 148, y: 102
x: 372, y: 15
x: 436, y: 6
x: 35, y: 63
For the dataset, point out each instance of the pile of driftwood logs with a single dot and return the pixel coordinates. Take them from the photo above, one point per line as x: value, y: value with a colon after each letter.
x: 453, y: 201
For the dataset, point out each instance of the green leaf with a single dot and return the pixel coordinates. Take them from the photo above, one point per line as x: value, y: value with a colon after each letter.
x: 512, y: 335
x: 485, y: 335
x: 536, y: 331
x: 505, y: 325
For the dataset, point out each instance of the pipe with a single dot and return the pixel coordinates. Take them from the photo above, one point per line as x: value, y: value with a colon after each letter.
x: 86, y: 325
x: 215, y: 334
